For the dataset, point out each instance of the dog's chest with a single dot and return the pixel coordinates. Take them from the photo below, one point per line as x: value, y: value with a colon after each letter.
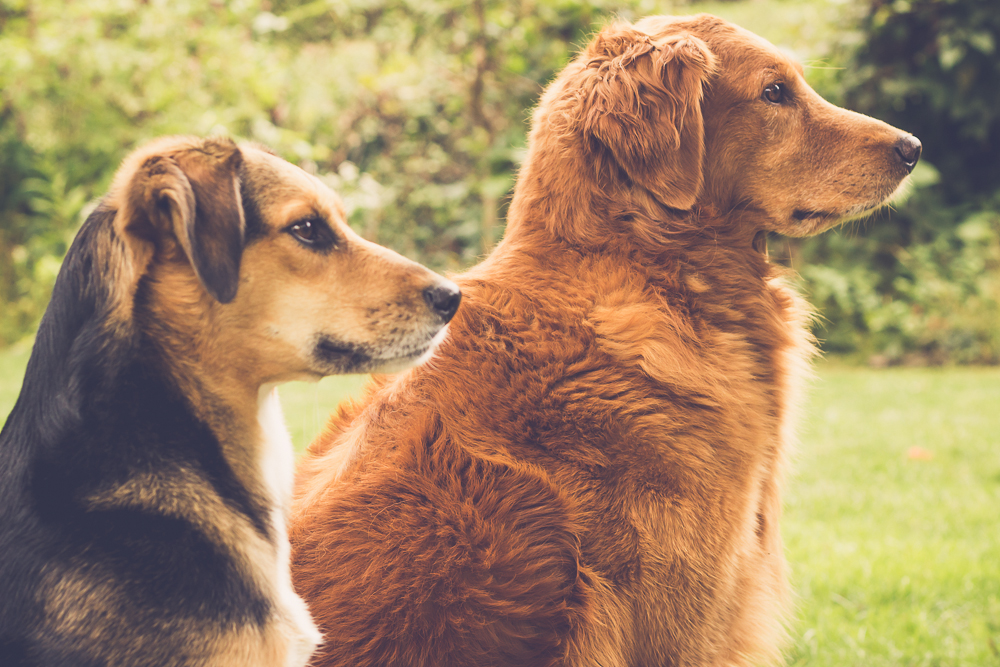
x: 276, y: 465
x: 694, y: 468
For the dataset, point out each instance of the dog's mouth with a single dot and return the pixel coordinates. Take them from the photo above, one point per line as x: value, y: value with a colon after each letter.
x: 819, y: 216
x: 339, y: 356
x: 821, y: 219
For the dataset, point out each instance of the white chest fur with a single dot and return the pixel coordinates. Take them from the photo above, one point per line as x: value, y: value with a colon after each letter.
x: 277, y: 467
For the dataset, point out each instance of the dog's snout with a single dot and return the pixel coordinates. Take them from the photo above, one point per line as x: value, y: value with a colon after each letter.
x: 443, y: 298
x: 908, y: 150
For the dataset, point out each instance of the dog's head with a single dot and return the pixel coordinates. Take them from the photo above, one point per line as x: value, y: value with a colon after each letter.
x: 252, y: 257
x: 696, y: 112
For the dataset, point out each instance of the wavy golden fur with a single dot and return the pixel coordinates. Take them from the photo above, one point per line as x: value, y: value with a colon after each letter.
x: 590, y: 473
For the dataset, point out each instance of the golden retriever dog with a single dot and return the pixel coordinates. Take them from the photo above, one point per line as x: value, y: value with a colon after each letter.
x: 145, y: 471
x: 590, y: 473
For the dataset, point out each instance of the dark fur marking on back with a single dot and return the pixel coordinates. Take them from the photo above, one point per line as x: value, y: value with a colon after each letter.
x: 94, y: 410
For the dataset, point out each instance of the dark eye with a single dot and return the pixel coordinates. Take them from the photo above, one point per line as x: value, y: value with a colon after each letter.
x: 313, y: 233
x: 775, y: 93
x: 304, y: 230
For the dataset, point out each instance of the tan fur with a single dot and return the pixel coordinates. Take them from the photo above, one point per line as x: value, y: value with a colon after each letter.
x: 591, y: 471
x: 221, y: 354
x: 202, y: 273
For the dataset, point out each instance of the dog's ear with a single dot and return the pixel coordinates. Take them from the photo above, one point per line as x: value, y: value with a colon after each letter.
x: 193, y: 193
x: 644, y: 106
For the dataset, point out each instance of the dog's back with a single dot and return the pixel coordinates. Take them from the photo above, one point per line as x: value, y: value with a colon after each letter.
x: 513, y: 504
x: 591, y: 473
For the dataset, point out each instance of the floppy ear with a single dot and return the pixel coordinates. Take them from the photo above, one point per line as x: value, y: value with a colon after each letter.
x: 193, y: 193
x: 644, y: 107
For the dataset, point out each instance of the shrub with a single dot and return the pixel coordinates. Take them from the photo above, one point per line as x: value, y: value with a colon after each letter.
x: 415, y: 110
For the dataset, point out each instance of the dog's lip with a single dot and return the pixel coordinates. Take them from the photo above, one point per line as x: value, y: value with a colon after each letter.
x: 431, y: 345
x: 364, y: 358
x: 802, y: 215
x: 329, y: 346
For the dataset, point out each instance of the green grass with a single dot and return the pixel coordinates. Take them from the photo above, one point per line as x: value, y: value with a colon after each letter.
x: 12, y: 363
x: 308, y: 405
x: 896, y: 560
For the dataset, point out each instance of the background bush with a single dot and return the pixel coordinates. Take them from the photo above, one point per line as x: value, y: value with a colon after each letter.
x: 416, y: 111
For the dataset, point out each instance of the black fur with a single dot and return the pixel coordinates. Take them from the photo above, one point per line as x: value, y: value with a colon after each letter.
x: 255, y: 228
x: 95, y: 409
x: 342, y: 356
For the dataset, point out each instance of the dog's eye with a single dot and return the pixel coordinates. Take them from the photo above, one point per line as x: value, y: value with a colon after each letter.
x: 775, y: 93
x: 304, y: 230
x: 312, y: 233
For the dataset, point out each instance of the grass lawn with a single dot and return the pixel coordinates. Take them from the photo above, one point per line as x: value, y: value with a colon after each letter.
x: 308, y: 405
x: 895, y: 551
x: 896, y: 558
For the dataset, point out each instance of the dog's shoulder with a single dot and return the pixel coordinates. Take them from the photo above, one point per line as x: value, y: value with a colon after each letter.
x: 98, y: 457
x: 440, y: 539
x: 114, y: 518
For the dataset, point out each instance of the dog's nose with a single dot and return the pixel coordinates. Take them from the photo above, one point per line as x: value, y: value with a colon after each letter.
x: 908, y: 150
x: 443, y: 298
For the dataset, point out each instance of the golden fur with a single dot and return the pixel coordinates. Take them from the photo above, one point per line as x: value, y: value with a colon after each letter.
x: 591, y: 472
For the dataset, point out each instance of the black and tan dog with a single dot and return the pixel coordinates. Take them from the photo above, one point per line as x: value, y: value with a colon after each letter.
x: 145, y: 470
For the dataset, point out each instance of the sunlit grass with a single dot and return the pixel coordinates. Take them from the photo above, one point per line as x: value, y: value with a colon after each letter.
x: 12, y: 362
x: 895, y: 551
x: 307, y: 406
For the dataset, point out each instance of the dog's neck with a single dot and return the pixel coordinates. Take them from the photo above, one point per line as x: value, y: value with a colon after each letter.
x: 224, y: 387
x: 97, y: 408
x: 567, y: 212
x: 81, y: 345
x: 551, y: 221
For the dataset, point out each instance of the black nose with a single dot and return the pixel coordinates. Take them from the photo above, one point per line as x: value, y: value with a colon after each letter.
x: 908, y: 150
x: 443, y: 298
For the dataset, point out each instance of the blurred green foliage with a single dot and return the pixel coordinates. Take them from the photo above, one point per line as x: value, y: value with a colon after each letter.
x: 432, y: 108
x: 934, y: 66
x: 416, y: 111
x: 83, y: 82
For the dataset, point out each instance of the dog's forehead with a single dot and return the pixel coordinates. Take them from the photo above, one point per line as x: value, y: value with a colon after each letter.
x: 279, y: 185
x: 747, y: 61
x: 756, y: 52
